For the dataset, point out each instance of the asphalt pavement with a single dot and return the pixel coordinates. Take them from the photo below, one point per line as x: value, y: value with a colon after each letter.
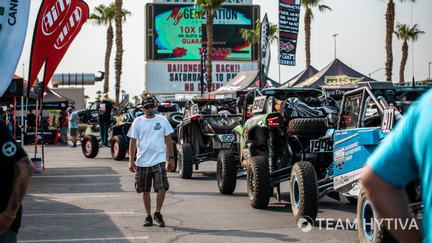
x: 93, y: 200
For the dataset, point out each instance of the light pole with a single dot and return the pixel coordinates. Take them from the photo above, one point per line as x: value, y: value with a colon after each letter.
x: 429, y: 77
x: 379, y: 69
x: 334, y: 37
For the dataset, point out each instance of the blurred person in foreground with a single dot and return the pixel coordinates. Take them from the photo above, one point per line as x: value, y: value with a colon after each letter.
x: 15, y: 174
x: 404, y: 156
x: 151, y: 140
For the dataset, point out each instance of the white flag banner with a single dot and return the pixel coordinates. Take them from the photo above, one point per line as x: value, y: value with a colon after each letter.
x: 14, y: 16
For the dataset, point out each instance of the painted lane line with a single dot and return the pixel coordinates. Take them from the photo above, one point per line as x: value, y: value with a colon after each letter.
x: 76, y: 214
x: 88, y: 239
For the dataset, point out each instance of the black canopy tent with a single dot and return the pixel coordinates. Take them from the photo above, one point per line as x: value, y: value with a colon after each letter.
x: 241, y: 84
x: 17, y: 89
x: 336, y: 74
x: 300, y: 77
x: 53, y: 101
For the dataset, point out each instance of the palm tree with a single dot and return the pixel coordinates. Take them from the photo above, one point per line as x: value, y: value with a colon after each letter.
x: 390, y: 18
x: 119, y: 47
x: 104, y: 15
x: 254, y: 35
x: 308, y: 5
x: 405, y: 33
x: 207, y: 8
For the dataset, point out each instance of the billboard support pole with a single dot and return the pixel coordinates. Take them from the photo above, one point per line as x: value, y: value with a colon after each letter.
x: 260, y: 66
x: 203, y: 69
x: 279, y: 62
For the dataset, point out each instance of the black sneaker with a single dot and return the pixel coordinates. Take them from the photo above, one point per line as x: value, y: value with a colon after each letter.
x: 148, y: 221
x: 159, y: 220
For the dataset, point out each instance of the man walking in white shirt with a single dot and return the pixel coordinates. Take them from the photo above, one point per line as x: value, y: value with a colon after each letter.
x: 150, y: 139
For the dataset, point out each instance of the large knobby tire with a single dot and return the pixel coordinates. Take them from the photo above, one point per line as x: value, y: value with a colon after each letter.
x: 258, y: 182
x: 307, y: 126
x: 226, y: 172
x: 90, y: 146
x: 118, y: 148
x: 175, y: 158
x: 175, y: 118
x: 304, y: 191
x: 185, y: 161
x: 368, y: 230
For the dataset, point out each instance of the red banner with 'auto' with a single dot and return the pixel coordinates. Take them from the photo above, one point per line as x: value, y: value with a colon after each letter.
x: 57, y: 25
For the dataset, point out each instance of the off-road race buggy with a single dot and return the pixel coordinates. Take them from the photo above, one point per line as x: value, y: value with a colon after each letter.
x: 273, y: 141
x: 90, y: 114
x: 367, y: 115
x: 206, y: 134
x: 118, y: 139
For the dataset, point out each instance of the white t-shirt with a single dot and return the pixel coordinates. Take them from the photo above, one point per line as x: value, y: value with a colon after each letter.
x: 150, y: 135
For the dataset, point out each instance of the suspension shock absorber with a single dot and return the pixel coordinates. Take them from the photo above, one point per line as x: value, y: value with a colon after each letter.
x: 271, y: 151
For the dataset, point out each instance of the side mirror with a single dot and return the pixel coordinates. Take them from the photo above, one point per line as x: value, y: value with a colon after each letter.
x: 332, y: 119
x: 388, y: 120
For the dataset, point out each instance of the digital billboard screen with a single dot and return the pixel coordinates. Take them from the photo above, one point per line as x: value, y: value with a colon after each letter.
x: 177, y: 34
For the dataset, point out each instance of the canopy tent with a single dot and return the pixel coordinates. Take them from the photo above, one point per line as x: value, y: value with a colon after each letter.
x: 53, y: 100
x: 242, y: 83
x: 18, y: 88
x: 336, y: 74
x: 302, y: 76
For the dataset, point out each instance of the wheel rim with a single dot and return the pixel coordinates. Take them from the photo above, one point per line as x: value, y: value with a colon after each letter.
x: 88, y: 147
x: 368, y: 220
x: 295, y: 192
x: 177, y: 118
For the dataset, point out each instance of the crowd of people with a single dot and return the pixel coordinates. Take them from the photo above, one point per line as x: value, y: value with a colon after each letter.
x: 66, y: 123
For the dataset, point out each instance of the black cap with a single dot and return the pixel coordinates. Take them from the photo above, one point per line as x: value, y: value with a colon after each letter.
x: 147, y: 101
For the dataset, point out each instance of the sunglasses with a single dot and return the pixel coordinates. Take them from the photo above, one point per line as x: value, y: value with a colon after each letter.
x: 149, y: 107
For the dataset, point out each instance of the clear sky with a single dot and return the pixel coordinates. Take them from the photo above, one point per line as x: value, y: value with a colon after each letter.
x: 360, y: 25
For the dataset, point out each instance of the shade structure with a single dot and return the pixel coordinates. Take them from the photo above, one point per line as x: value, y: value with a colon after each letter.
x: 335, y: 73
x: 242, y: 83
x: 300, y: 77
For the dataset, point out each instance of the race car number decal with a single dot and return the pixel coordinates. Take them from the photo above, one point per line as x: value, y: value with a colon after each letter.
x: 258, y: 104
x: 320, y: 146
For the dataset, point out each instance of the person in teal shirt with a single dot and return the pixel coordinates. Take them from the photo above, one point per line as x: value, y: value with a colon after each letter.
x: 73, y: 125
x: 404, y: 156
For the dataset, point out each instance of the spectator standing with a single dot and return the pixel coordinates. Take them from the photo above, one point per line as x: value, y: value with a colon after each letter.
x: 73, y: 125
x: 63, y: 124
x: 10, y: 120
x: 105, y: 109
x: 31, y: 120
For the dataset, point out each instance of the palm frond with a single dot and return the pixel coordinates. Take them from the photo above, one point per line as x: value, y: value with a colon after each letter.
x: 323, y: 8
x: 404, y: 32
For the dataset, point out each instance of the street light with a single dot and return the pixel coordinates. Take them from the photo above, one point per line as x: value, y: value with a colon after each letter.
x: 123, y: 92
x: 334, y: 36
x: 429, y: 77
x: 379, y: 69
